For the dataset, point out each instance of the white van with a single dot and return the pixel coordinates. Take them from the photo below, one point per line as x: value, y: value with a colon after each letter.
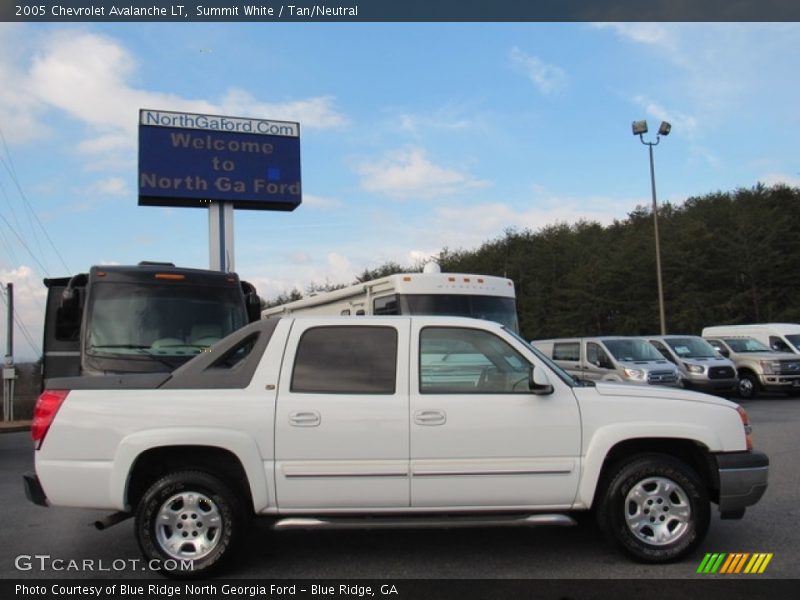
x: 701, y: 367
x: 620, y: 359
x: 782, y: 337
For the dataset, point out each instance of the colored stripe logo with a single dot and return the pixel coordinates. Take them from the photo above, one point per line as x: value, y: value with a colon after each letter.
x: 734, y: 563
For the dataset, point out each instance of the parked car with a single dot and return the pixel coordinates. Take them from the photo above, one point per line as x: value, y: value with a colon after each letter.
x: 759, y: 368
x: 781, y: 337
x: 331, y: 422
x: 702, y: 367
x: 621, y: 359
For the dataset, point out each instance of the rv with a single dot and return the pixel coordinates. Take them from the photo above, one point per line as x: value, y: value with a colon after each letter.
x: 152, y: 317
x: 428, y: 293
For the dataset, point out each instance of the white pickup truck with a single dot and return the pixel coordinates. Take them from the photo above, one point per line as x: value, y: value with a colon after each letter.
x: 387, y: 422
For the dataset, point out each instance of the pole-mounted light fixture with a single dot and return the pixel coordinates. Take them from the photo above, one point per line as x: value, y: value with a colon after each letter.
x: 640, y: 128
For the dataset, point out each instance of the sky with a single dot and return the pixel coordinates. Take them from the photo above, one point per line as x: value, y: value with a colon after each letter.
x: 414, y: 136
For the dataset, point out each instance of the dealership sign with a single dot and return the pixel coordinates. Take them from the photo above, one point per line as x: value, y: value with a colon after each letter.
x: 188, y: 159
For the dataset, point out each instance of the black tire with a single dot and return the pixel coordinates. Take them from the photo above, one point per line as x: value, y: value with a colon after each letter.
x: 748, y: 387
x: 188, y: 516
x: 654, y: 508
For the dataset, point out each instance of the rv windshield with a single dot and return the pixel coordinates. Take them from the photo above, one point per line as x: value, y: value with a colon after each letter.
x: 690, y: 347
x: 492, y: 308
x: 160, y: 321
x: 632, y: 350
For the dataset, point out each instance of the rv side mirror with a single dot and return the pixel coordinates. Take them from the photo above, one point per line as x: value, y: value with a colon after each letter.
x: 253, y: 305
x: 538, y: 382
x: 70, y: 305
x: 252, y: 301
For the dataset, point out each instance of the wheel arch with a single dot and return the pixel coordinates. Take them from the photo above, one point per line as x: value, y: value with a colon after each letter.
x: 143, y: 458
x: 694, y: 454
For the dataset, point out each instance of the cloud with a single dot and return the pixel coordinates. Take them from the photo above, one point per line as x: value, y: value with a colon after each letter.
x: 451, y: 117
x: 100, y: 192
x: 719, y: 65
x: 657, y: 35
x: 469, y: 226
x: 321, y: 202
x: 317, y: 113
x: 548, y: 79
x: 111, y: 186
x: 19, y: 109
x: 409, y: 173
x: 780, y: 178
x: 88, y: 76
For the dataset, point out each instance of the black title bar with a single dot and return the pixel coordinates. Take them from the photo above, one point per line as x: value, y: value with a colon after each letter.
x: 397, y: 10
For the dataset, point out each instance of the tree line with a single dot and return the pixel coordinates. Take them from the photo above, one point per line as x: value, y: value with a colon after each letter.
x: 727, y: 257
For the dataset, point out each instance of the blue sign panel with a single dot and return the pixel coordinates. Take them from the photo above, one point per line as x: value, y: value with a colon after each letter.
x: 190, y: 160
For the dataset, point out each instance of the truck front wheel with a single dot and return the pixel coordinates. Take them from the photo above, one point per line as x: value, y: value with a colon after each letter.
x: 655, y: 508
x: 748, y: 386
x: 187, y: 522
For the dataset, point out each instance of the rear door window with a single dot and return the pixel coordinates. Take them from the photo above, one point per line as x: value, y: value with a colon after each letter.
x: 346, y: 360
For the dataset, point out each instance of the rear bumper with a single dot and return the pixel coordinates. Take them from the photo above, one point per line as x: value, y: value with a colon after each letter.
x: 742, y: 481
x: 33, y: 489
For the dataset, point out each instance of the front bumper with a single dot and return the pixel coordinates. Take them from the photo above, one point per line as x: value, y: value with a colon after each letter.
x: 742, y: 481
x: 780, y: 383
x: 33, y: 489
x: 704, y: 384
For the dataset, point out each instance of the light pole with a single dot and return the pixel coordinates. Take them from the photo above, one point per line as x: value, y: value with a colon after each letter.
x: 640, y: 128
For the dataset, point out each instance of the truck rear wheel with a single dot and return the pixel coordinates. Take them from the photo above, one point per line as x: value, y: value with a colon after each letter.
x: 654, y: 508
x: 187, y: 523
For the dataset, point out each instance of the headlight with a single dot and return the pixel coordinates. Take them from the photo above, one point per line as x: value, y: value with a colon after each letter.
x: 694, y: 368
x: 634, y: 374
x: 770, y: 366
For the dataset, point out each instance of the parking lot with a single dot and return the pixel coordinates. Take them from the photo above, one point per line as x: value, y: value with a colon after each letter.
x: 559, y: 553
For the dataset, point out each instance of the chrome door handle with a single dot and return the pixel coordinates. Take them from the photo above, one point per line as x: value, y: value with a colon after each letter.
x: 430, y: 417
x: 309, y: 418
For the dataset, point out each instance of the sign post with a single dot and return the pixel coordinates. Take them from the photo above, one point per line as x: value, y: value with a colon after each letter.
x: 220, y: 237
x: 218, y: 163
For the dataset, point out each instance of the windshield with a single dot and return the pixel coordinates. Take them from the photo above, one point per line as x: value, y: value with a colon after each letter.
x: 492, y: 308
x: 632, y: 350
x: 691, y: 347
x: 746, y: 345
x: 160, y: 321
x: 794, y: 340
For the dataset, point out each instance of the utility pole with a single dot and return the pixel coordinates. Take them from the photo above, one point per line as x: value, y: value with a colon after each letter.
x: 9, y: 372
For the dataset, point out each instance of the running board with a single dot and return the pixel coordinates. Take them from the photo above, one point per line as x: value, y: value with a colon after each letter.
x: 422, y: 522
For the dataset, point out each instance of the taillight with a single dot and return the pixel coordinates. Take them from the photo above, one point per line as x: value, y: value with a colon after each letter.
x: 45, y: 411
x: 748, y: 431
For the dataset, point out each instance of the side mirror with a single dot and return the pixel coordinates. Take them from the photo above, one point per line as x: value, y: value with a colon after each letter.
x: 538, y: 382
x: 253, y: 305
x: 724, y: 353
